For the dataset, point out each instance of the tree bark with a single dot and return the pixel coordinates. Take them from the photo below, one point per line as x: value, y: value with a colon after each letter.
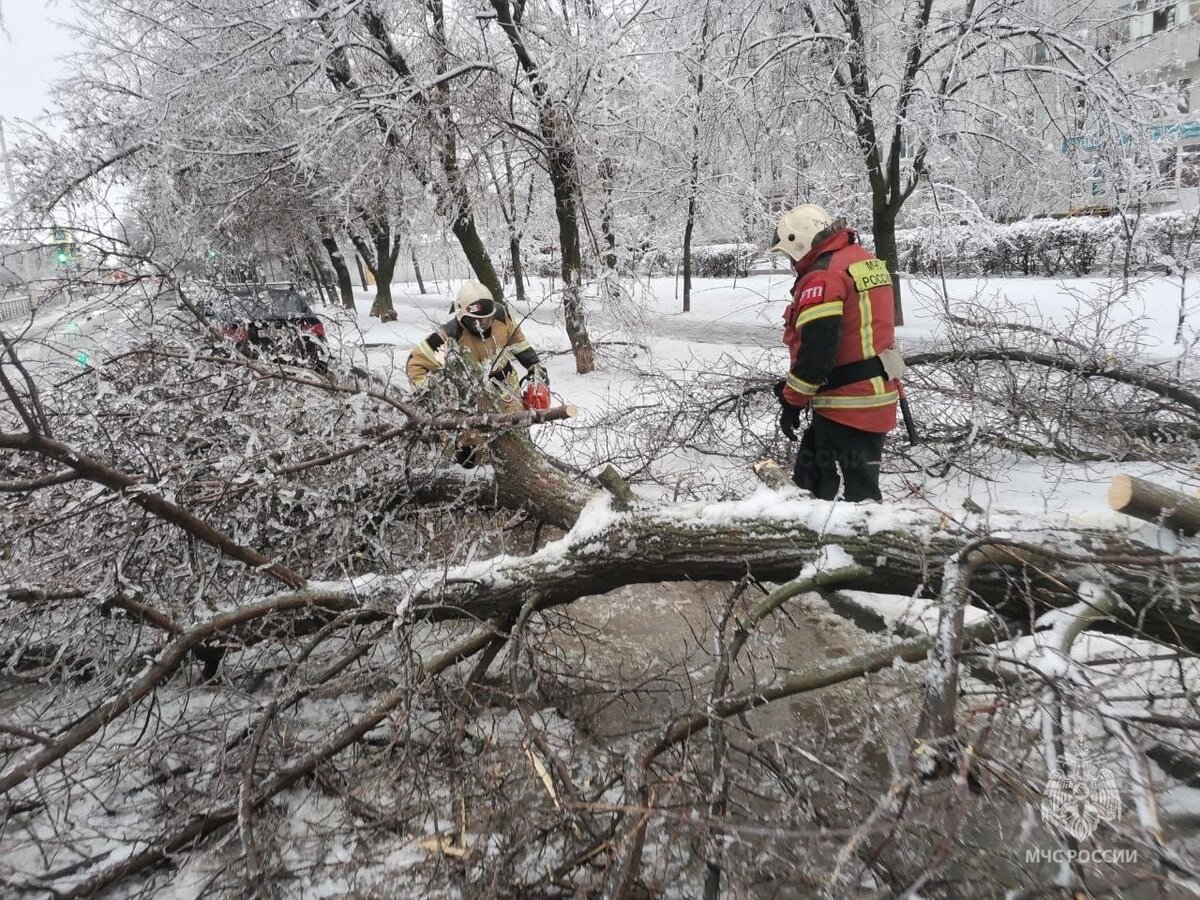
x: 387, y: 250
x: 607, y: 219
x: 715, y: 542
x: 452, y: 196
x: 694, y: 175
x: 884, y: 224
x: 525, y: 480
x: 417, y: 271
x: 378, y: 251
x: 338, y: 261
x: 476, y: 253
x: 561, y: 164
x: 562, y: 176
x: 362, y: 275
x: 687, y: 245
x: 518, y: 268
x: 318, y: 280
x: 1154, y: 503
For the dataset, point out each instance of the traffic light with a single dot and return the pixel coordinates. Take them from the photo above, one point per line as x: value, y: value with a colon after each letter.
x: 64, y: 247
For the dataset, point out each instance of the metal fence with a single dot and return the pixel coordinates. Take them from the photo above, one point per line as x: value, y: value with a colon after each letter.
x: 14, y: 308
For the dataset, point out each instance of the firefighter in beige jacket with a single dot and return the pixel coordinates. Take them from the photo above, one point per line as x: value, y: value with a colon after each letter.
x: 486, y: 330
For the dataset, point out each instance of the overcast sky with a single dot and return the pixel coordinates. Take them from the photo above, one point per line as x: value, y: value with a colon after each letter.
x: 30, y: 53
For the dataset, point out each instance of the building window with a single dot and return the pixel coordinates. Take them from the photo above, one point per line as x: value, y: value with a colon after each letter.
x: 1184, y: 102
x: 1164, y: 18
x: 1039, y: 54
x: 1162, y: 14
x: 1166, y: 166
x: 1189, y: 170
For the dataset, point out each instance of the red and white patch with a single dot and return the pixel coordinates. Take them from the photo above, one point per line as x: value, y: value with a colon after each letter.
x: 812, y: 294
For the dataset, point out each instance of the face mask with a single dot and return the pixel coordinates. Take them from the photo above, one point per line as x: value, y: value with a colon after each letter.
x: 481, y: 327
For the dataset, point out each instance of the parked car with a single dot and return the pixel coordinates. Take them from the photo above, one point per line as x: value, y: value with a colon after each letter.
x: 269, y: 319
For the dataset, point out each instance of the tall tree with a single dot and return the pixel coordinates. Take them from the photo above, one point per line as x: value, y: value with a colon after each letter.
x: 554, y: 124
x: 904, y: 69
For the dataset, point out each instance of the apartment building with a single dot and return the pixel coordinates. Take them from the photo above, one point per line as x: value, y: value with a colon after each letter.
x: 1151, y: 43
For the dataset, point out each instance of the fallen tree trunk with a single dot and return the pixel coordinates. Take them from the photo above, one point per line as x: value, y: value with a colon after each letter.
x: 1154, y: 503
x: 772, y: 536
x: 525, y: 479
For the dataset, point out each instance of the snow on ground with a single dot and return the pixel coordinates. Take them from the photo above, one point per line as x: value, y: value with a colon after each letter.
x: 741, y: 320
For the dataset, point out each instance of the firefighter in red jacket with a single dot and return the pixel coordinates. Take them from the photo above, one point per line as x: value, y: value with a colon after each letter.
x: 839, y: 330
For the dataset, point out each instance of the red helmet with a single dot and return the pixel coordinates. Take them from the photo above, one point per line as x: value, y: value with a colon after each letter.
x: 536, y: 396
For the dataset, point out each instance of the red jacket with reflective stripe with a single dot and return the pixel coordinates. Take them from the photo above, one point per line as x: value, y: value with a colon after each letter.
x: 841, y: 312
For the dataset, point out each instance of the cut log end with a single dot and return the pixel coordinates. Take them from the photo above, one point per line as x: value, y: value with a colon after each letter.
x: 1154, y: 503
x: 1120, y: 493
x: 772, y: 474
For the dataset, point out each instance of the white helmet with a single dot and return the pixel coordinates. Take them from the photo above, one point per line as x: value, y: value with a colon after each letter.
x: 797, y: 227
x: 474, y: 307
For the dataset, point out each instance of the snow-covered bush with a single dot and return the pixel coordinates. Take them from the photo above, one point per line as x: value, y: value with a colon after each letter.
x: 542, y: 263
x: 708, y: 260
x: 722, y: 260
x: 1078, y: 246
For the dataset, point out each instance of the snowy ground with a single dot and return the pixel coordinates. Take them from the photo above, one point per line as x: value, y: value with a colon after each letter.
x: 742, y: 320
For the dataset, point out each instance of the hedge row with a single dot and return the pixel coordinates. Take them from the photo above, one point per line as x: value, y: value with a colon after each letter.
x: 1084, y: 245
x: 1055, y: 247
x: 708, y: 261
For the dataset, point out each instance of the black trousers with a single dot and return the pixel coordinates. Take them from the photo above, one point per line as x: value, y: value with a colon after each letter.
x: 827, y: 447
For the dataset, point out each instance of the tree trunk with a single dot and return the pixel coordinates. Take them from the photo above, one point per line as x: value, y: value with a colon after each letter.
x: 417, y: 271
x: 526, y: 480
x: 380, y: 257
x: 725, y: 541
x: 561, y: 171
x: 554, y: 125
x: 514, y: 249
x: 687, y: 243
x: 606, y: 220
x: 1153, y: 503
x: 386, y: 251
x: 886, y: 249
x: 338, y: 261
x: 317, y: 279
x: 477, y: 256
x: 362, y: 275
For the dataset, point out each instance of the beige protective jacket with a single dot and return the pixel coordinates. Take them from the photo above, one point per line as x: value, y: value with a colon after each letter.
x: 495, y: 353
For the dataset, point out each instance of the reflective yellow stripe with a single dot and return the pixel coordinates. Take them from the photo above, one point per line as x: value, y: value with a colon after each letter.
x: 800, y: 386
x: 820, y: 311
x: 520, y: 347
x: 867, y: 328
x: 428, y: 352
x: 826, y: 402
x: 867, y: 274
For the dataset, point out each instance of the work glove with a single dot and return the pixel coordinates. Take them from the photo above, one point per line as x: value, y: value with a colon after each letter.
x: 789, y: 421
x: 777, y: 390
x: 537, y: 373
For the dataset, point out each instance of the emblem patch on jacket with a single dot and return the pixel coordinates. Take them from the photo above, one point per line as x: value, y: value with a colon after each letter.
x: 869, y: 273
x: 809, y: 294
